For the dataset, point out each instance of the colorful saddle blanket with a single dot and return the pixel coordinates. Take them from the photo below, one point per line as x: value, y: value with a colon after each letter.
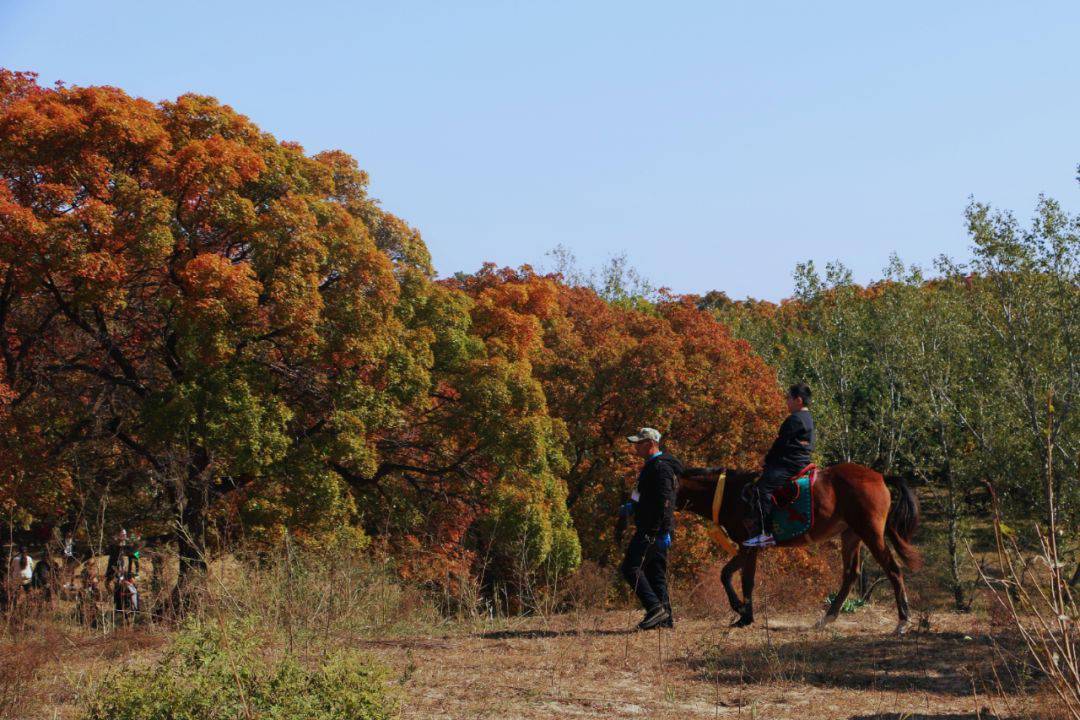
x: 794, y: 512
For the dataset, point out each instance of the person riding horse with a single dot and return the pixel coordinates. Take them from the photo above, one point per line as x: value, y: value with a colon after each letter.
x: 789, y: 454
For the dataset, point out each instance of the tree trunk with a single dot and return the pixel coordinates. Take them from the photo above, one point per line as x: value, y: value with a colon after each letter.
x: 953, y: 526
x: 191, y: 529
x: 954, y: 561
x: 191, y: 534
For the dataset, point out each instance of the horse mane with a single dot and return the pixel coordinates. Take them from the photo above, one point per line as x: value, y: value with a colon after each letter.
x: 712, y: 473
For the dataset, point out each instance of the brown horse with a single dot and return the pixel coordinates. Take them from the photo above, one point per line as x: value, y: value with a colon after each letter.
x: 849, y: 500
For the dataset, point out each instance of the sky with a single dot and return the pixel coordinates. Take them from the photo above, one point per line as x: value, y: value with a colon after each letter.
x: 715, y: 144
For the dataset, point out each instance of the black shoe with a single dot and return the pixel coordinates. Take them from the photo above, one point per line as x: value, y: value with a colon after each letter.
x: 654, y: 618
x: 670, y: 622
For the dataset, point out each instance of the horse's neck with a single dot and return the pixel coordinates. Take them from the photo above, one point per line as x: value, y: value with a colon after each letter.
x: 697, y: 494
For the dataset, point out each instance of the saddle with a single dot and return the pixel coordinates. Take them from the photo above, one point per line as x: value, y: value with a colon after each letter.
x: 796, y: 516
x: 789, y: 492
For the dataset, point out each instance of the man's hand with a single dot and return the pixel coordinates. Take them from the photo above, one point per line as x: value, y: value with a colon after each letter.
x: 664, y: 541
x: 626, y: 510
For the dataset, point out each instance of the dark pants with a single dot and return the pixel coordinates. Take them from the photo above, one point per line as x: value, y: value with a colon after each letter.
x: 645, y: 568
x: 762, y: 503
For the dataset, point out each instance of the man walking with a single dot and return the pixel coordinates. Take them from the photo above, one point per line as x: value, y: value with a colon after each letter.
x: 789, y: 454
x: 653, y: 506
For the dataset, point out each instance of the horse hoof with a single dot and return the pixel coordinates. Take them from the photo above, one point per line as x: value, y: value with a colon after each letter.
x: 743, y: 622
x: 827, y: 620
x: 902, y: 628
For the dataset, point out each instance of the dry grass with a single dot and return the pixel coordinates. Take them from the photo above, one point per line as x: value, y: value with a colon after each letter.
x: 587, y: 663
x: 1032, y: 598
x: 595, y: 666
x: 51, y: 661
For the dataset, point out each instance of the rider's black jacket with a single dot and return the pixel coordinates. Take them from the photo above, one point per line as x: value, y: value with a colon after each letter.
x: 792, y: 447
x: 654, y: 512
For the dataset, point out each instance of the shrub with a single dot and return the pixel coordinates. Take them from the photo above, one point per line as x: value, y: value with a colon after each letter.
x: 220, y: 671
x: 589, y: 588
x: 1035, y: 600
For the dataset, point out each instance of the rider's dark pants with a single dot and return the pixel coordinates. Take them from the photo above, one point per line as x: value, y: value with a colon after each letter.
x: 645, y: 568
x: 771, y: 480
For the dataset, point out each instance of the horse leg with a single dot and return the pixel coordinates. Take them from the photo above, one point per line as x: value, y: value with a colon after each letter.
x: 749, y: 568
x: 876, y: 544
x: 730, y: 568
x: 849, y: 552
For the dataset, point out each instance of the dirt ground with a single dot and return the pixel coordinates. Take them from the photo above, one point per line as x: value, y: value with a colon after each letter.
x: 596, y: 666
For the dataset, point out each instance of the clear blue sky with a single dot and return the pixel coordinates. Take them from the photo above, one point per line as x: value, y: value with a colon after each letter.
x: 715, y: 143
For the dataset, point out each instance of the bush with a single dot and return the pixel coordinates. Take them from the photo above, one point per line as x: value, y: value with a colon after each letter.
x: 590, y: 588
x: 221, y: 672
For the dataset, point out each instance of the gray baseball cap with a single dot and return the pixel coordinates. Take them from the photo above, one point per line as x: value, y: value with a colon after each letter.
x: 645, y: 433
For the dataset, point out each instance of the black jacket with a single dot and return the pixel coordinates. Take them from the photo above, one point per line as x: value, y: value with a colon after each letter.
x: 792, y: 447
x: 654, y: 512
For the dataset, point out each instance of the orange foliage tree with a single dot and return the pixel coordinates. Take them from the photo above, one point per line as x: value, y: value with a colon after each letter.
x: 208, y: 312
x: 609, y: 367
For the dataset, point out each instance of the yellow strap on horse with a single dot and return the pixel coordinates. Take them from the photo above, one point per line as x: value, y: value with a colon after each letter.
x: 717, y: 531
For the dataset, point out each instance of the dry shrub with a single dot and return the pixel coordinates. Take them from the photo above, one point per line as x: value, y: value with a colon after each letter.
x: 704, y: 597
x: 997, y: 614
x: 462, y: 595
x: 1047, y: 706
x: 1033, y: 593
x: 590, y: 587
x: 21, y: 661
x: 787, y: 578
x: 122, y: 642
x: 314, y: 594
x: 798, y: 578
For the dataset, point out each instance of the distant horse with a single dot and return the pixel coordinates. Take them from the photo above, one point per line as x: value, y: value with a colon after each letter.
x: 849, y: 500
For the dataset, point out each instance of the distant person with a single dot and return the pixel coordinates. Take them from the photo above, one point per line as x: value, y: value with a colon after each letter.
x: 43, y: 578
x: 126, y: 597
x: 89, y: 595
x: 21, y: 573
x: 653, y: 508
x: 789, y: 454
x: 133, y: 548
x: 117, y: 557
x: 69, y: 562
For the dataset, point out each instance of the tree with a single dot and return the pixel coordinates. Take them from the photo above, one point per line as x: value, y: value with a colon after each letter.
x: 1027, y: 283
x: 190, y: 305
x: 610, y: 366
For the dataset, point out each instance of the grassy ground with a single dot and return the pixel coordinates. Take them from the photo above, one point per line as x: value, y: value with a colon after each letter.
x: 585, y: 664
x: 596, y: 666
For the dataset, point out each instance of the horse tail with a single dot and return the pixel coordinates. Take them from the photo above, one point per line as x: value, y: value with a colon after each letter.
x: 903, y: 521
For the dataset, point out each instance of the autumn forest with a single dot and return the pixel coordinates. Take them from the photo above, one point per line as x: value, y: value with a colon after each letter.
x: 219, y: 341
